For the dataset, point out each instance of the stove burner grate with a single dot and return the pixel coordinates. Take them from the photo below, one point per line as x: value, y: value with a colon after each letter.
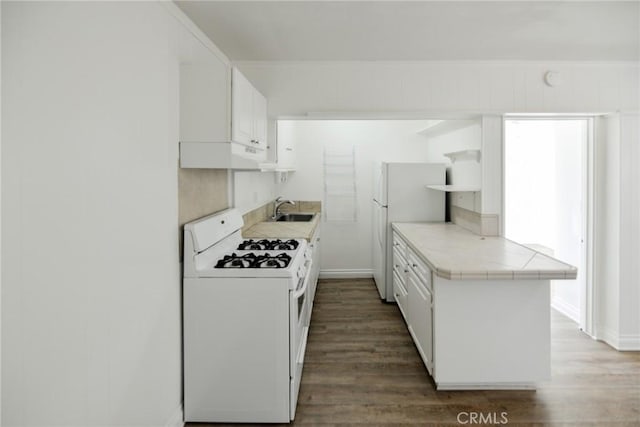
x: 236, y: 261
x: 268, y: 261
x: 269, y: 245
x: 252, y: 260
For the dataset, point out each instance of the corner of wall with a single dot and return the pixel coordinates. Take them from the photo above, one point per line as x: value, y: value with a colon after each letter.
x: 176, y: 419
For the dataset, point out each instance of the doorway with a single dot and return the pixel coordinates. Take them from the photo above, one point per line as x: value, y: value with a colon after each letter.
x: 545, y: 199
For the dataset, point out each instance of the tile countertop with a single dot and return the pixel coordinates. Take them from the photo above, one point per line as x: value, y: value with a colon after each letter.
x: 282, y: 230
x: 455, y: 253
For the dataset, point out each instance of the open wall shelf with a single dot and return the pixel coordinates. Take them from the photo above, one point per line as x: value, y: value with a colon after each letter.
x: 464, y: 155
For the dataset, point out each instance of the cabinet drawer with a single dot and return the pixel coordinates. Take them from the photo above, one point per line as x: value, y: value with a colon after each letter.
x: 399, y: 264
x: 399, y: 244
x: 400, y: 295
x: 419, y: 268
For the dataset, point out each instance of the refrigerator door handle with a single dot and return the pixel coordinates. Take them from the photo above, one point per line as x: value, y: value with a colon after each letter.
x: 379, y: 214
x: 381, y: 225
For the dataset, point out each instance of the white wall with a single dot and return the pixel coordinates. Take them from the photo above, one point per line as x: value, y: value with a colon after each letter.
x: 90, y: 277
x: 0, y: 214
x: 629, y: 332
x: 617, y: 231
x: 253, y: 189
x: 607, y: 233
x: 462, y: 139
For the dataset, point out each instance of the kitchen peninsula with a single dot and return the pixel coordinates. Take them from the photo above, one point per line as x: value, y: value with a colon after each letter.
x: 477, y: 307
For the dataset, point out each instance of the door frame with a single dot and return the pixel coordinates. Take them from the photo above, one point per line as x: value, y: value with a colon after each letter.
x: 587, y: 298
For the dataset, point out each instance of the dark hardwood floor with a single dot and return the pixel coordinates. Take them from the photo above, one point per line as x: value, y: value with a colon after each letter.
x: 361, y: 367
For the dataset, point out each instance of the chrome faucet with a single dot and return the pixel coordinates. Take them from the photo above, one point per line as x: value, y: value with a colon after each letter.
x: 276, y: 206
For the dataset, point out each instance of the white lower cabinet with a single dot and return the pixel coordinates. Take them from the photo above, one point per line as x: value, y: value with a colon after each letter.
x: 472, y: 334
x: 421, y: 319
x: 413, y: 291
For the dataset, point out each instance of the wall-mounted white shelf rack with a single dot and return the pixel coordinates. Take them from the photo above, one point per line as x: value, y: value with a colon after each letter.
x: 464, y: 155
x: 340, y: 189
x: 441, y: 127
x: 454, y: 188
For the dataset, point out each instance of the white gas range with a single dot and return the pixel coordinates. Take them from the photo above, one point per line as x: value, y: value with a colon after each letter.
x: 246, y: 310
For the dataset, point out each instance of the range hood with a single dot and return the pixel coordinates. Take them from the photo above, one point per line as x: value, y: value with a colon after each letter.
x: 220, y: 155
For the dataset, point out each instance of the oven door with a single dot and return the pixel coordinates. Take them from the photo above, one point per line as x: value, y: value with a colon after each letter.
x: 298, y: 332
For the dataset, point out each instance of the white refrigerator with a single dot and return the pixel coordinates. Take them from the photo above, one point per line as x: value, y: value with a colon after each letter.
x: 401, y: 195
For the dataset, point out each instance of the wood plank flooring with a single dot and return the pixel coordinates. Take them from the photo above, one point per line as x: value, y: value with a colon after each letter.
x: 361, y: 367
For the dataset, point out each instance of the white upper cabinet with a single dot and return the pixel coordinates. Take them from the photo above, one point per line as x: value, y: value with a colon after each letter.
x: 223, y: 118
x: 205, y: 98
x: 285, y: 146
x: 249, y: 118
x: 286, y: 154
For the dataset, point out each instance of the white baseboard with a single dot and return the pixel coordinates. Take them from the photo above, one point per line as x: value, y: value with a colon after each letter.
x: 485, y: 386
x: 619, y: 342
x: 629, y: 343
x: 572, y: 312
x: 176, y: 419
x: 346, y: 274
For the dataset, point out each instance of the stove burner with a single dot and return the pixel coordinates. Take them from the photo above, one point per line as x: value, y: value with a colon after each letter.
x: 251, y: 260
x: 266, y: 244
x: 251, y: 244
x: 236, y: 261
x: 268, y: 261
x: 288, y: 245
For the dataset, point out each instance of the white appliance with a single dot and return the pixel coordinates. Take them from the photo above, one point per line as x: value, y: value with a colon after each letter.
x: 400, y: 195
x: 246, y: 311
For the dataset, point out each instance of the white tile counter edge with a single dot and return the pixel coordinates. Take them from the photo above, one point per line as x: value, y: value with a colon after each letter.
x: 561, y: 270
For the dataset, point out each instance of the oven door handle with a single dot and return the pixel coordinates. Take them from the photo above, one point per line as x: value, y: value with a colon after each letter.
x: 302, y: 289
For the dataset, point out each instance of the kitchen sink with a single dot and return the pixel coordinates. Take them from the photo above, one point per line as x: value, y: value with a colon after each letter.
x: 294, y: 217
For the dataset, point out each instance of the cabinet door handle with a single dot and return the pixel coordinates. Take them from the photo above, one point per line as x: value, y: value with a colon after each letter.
x: 289, y: 149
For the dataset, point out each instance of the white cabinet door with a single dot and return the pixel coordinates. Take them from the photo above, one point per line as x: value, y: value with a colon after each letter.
x: 259, y: 119
x: 285, y: 146
x: 420, y: 319
x: 204, y: 102
x: 249, y: 118
x: 242, y: 109
x: 287, y: 155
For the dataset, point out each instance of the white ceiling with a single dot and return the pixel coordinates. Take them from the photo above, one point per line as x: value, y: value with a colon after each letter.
x: 420, y: 30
